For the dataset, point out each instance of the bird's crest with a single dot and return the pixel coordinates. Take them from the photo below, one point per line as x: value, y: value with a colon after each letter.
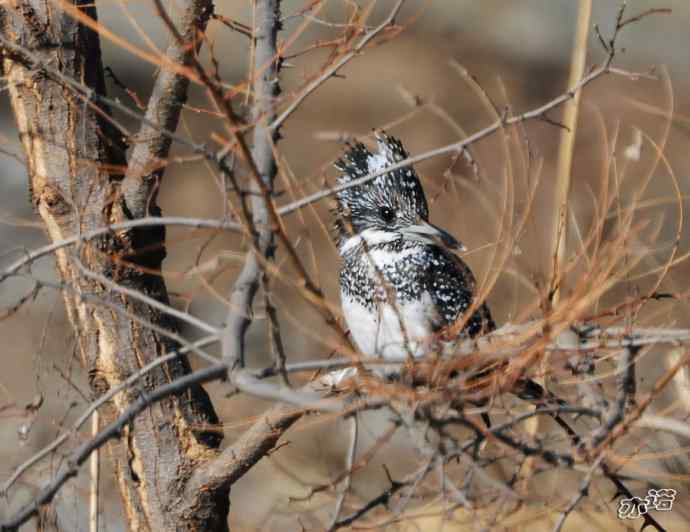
x: 400, y: 189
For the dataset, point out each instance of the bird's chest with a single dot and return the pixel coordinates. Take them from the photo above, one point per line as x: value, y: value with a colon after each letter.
x: 386, y: 308
x: 388, y: 330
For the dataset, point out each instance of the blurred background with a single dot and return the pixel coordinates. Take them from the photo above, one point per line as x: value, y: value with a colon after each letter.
x: 519, y: 53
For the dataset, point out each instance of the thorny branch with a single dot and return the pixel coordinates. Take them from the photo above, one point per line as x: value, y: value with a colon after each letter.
x: 224, y: 468
x: 459, y: 147
x: 582, y: 492
x: 34, y: 62
x: 261, y: 220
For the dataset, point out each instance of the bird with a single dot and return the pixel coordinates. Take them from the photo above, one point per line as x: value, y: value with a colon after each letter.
x: 401, y: 283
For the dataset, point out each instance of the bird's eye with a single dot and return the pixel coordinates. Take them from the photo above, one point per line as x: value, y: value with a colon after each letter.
x: 387, y: 214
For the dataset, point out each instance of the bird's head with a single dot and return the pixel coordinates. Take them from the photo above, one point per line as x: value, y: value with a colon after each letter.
x: 390, y: 207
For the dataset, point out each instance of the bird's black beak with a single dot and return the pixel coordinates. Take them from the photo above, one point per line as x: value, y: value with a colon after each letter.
x: 430, y: 234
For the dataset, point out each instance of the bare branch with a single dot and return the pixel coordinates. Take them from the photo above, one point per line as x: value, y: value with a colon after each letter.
x: 349, y: 464
x: 197, y: 223
x: 71, y: 466
x: 109, y: 244
x: 617, y: 410
x: 681, y: 428
x: 266, y: 88
x: 458, y: 147
x: 137, y: 295
x: 581, y: 493
x: 144, y: 170
x: 333, y: 69
x: 93, y: 407
x: 75, y: 160
x: 251, y: 447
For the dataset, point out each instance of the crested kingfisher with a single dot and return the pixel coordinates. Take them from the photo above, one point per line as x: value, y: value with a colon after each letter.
x: 401, y: 284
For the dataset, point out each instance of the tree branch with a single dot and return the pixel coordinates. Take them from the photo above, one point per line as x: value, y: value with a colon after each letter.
x: 115, y: 429
x: 169, y: 95
x: 75, y: 157
x: 266, y: 88
x: 460, y: 146
x: 333, y: 69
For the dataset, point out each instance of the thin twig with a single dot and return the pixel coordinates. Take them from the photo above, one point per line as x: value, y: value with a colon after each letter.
x: 333, y: 69
x: 93, y: 407
x: 198, y: 223
x: 626, y: 365
x: 462, y: 145
x: 381, y: 500
x: 95, y: 472
x: 349, y: 464
x: 138, y: 295
x: 581, y: 493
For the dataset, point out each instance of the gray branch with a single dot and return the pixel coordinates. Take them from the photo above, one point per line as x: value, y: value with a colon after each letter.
x: 266, y: 88
x: 147, y: 162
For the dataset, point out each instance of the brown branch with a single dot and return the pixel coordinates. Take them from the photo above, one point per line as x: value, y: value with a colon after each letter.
x: 644, y: 14
x: 234, y: 25
x: 538, y: 113
x: 212, y: 477
x: 310, y: 291
x: 252, y: 446
x: 333, y: 69
x: 75, y: 161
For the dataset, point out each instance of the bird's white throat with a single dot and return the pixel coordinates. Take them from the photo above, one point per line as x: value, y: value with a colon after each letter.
x: 372, y: 238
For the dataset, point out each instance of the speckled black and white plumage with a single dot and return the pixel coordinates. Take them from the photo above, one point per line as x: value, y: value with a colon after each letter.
x: 399, y: 190
x: 399, y: 282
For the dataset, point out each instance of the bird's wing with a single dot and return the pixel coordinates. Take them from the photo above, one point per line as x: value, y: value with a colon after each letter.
x: 451, y: 285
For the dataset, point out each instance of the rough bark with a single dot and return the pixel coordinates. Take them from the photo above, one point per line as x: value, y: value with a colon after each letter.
x: 76, y: 162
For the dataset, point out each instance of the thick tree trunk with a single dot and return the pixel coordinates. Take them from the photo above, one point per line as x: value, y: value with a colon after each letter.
x: 76, y: 162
